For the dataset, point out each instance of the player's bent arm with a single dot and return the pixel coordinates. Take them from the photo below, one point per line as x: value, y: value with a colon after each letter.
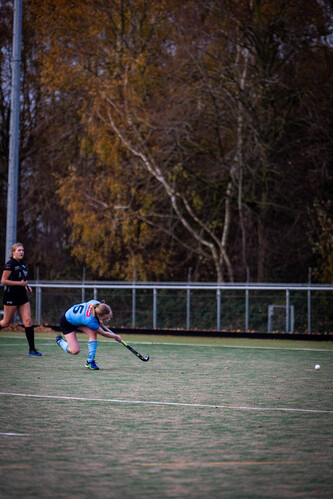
x: 109, y: 334
x: 5, y: 281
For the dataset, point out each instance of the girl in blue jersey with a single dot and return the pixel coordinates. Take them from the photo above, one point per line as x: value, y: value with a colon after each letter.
x: 15, y: 298
x: 87, y: 317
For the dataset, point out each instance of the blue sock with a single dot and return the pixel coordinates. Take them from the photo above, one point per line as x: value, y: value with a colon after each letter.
x: 64, y: 345
x: 92, y: 347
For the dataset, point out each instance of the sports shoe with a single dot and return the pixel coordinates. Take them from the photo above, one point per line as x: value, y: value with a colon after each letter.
x: 92, y: 365
x: 35, y: 353
x: 58, y: 339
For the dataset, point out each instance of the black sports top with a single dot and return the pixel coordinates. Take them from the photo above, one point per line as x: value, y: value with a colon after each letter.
x: 18, y: 273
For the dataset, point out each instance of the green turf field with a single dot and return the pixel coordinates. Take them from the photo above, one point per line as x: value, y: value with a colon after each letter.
x: 202, y: 419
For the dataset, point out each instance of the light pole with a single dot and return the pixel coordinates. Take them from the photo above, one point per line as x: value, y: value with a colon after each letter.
x: 14, y: 132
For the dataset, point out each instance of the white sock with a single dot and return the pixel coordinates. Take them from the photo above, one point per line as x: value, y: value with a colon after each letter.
x: 64, y: 345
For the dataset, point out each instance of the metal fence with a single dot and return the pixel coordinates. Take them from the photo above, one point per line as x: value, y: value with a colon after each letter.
x: 303, y: 308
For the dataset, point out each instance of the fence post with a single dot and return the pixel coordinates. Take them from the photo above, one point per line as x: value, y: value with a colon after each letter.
x: 36, y: 302
x: 247, y: 309
x: 83, y: 294
x: 134, y: 297
x: 38, y: 313
x: 218, y: 321
x: 309, y: 303
x: 39, y: 294
x: 287, y: 311
x: 270, y: 313
x: 188, y: 300
x: 247, y: 300
x: 155, y: 308
x: 188, y: 308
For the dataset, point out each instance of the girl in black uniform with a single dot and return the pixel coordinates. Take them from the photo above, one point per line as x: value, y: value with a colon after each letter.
x: 14, y: 278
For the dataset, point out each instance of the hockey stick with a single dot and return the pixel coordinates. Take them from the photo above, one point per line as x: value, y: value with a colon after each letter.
x: 141, y: 357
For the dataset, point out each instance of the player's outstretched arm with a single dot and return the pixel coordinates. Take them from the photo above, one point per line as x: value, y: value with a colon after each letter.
x: 109, y: 334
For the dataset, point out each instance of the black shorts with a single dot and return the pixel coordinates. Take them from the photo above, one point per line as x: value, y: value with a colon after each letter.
x: 65, y: 326
x: 12, y: 300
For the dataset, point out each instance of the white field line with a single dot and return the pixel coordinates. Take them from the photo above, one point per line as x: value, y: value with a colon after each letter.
x: 176, y: 404
x: 248, y: 347
x: 11, y: 434
x: 232, y: 346
x: 174, y: 344
x: 20, y: 345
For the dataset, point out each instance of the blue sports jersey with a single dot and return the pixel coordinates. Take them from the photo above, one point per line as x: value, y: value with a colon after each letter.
x: 81, y: 315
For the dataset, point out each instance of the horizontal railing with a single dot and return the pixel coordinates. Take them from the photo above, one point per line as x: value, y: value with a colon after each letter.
x: 179, y: 285
x: 288, y: 307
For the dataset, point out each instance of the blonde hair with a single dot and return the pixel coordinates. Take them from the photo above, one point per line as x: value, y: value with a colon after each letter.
x: 14, y: 248
x: 102, y: 310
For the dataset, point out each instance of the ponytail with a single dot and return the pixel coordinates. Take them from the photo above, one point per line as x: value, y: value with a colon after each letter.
x: 102, y: 309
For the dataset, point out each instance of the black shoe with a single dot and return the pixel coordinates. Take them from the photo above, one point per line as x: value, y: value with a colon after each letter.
x: 35, y: 353
x: 92, y: 365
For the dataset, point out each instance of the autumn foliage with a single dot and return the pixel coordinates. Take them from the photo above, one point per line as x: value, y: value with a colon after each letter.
x: 164, y: 136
